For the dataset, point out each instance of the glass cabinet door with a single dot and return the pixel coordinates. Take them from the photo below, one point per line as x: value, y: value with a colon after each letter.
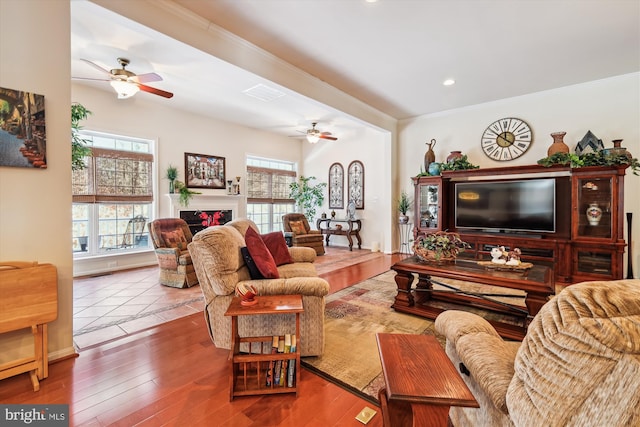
x: 429, y: 206
x: 593, y: 215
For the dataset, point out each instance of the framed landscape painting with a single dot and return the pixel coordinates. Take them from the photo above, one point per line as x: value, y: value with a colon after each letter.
x: 204, y: 171
x: 23, y: 141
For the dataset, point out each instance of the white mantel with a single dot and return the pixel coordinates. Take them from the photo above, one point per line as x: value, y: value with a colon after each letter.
x: 237, y: 204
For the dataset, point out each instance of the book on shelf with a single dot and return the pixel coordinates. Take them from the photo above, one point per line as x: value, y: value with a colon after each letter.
x: 291, y: 372
x: 274, y: 349
x: 277, y: 367
x: 286, y: 348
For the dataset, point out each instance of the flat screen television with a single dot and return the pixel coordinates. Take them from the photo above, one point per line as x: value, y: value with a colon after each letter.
x: 506, y: 206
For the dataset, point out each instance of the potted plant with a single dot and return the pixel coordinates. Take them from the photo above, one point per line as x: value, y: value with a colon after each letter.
x: 307, y: 197
x: 599, y: 158
x: 185, y: 193
x: 458, y: 164
x: 403, y: 205
x: 439, y: 246
x: 171, y: 174
x: 79, y: 148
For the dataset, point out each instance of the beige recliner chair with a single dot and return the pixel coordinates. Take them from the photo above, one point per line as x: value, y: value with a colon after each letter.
x: 578, y: 365
x: 220, y: 267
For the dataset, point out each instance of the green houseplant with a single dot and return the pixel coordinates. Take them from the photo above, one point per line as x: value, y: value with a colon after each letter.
x: 185, y: 193
x: 599, y: 158
x: 439, y: 246
x: 403, y: 206
x: 171, y: 174
x: 79, y: 148
x: 307, y: 197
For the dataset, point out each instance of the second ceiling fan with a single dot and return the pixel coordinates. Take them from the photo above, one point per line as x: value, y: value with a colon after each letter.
x: 314, y: 135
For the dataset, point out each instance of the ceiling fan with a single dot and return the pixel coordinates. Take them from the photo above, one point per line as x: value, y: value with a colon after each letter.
x: 314, y: 135
x: 126, y: 83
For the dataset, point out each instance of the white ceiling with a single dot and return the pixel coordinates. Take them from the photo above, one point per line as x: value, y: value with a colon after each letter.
x: 391, y: 54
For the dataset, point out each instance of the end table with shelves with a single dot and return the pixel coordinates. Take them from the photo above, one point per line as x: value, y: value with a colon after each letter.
x: 248, y: 371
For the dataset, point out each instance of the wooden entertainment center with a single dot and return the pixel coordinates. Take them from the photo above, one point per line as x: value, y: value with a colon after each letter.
x: 581, y: 246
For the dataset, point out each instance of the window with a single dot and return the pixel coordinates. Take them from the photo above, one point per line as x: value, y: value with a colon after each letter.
x: 113, y: 195
x: 268, y: 192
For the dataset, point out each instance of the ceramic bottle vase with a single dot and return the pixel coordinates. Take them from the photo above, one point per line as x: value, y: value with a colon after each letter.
x: 618, y: 149
x: 429, y: 156
x: 594, y: 214
x: 558, y: 145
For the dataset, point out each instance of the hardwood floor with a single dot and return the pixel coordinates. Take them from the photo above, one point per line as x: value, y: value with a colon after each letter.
x: 173, y: 375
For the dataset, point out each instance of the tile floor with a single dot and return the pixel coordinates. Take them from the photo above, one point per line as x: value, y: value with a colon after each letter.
x: 115, y: 305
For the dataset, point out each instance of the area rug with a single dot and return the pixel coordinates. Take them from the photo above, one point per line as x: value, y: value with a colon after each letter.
x: 353, y: 316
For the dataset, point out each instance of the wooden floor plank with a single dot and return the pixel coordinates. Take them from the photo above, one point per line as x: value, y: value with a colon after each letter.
x: 173, y: 375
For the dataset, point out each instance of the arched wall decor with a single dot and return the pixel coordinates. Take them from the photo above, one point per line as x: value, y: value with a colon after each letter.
x: 336, y: 186
x: 355, y: 191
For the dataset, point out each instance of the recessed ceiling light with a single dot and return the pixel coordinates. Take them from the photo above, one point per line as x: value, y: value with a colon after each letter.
x: 449, y: 82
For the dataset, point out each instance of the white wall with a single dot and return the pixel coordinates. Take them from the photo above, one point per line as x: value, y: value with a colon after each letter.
x: 610, y: 108
x: 35, y: 224
x: 177, y: 132
x: 373, y: 149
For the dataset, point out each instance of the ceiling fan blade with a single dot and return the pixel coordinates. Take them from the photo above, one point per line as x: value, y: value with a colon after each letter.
x: 97, y: 67
x: 324, y: 136
x: 154, y: 91
x: 146, y: 78
x: 89, y: 78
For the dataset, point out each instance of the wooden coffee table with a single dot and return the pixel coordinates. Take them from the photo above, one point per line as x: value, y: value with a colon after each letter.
x: 537, y: 283
x: 421, y: 382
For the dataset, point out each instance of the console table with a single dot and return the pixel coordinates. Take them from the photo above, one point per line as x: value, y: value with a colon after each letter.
x: 537, y: 283
x: 328, y: 227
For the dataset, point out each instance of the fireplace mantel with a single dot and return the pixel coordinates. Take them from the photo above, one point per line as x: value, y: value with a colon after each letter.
x: 236, y: 203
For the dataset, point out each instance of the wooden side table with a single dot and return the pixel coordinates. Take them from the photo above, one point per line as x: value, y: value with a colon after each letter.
x: 421, y: 382
x: 249, y: 371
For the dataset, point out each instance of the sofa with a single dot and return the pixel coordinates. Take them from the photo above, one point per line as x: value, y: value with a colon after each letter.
x: 170, y: 237
x: 303, y: 235
x: 578, y: 365
x: 219, y: 263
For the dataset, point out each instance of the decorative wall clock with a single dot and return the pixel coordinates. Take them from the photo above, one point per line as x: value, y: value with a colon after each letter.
x: 506, y: 139
x: 355, y: 191
x: 336, y: 186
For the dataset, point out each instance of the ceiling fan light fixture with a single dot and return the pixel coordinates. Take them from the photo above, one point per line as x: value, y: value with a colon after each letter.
x: 313, y: 138
x: 124, y: 89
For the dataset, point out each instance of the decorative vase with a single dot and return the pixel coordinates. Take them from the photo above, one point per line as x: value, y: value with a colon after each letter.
x: 403, y: 219
x: 333, y: 214
x: 172, y: 187
x: 558, y: 145
x: 594, y: 214
x: 434, y: 169
x: 618, y: 149
x: 454, y: 155
x: 429, y: 156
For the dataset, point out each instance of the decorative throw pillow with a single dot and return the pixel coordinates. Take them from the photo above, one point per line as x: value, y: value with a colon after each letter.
x: 278, y: 247
x: 261, y: 255
x: 251, y: 264
x: 175, y: 239
x: 297, y: 227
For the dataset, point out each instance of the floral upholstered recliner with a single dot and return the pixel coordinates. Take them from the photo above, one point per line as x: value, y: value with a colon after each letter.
x: 578, y: 365
x: 220, y: 267
x: 170, y: 237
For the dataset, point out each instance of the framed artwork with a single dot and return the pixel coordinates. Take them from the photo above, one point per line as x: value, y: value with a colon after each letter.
x: 355, y: 190
x: 204, y: 171
x: 336, y: 186
x: 23, y: 141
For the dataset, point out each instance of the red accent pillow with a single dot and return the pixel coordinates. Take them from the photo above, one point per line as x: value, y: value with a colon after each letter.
x: 278, y: 247
x: 260, y: 254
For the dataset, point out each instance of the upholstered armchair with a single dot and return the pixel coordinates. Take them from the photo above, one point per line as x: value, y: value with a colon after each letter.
x: 303, y: 235
x: 170, y: 237
x: 221, y: 266
x: 578, y: 365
